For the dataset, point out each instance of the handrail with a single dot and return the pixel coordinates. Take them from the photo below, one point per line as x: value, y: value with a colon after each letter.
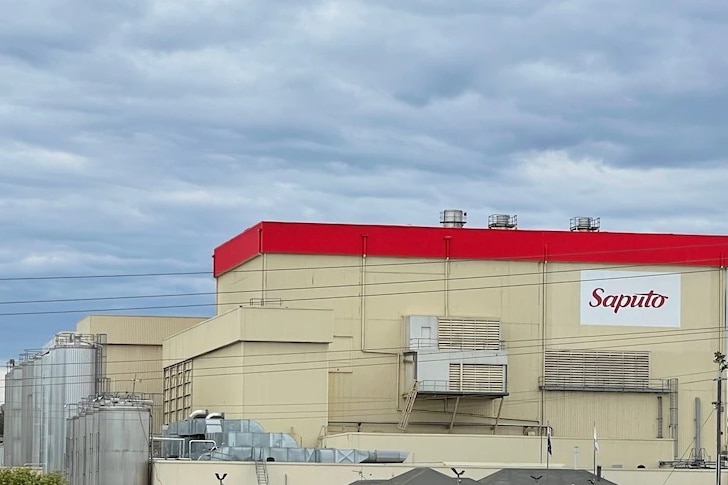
x: 214, y: 446
x: 181, y: 442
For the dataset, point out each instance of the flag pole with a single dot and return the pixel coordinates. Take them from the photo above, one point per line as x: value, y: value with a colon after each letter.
x: 548, y: 444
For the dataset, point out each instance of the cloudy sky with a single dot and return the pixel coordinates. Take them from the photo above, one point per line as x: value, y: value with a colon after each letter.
x: 136, y: 136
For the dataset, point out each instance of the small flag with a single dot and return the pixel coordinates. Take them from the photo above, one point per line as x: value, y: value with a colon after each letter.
x: 548, y: 440
x: 596, y: 443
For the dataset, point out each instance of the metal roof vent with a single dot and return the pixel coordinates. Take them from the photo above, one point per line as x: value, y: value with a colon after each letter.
x: 585, y: 224
x: 502, y: 221
x: 453, y: 218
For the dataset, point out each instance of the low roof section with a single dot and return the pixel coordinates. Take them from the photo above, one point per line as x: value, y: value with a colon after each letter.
x: 552, y: 476
x: 419, y: 476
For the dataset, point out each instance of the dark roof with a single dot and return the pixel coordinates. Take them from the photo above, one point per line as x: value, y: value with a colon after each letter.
x: 429, y: 242
x: 553, y: 476
x: 419, y: 476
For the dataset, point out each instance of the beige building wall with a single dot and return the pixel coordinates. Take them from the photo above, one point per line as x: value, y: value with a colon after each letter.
x: 266, y: 364
x: 369, y: 298
x: 133, y: 351
x: 193, y: 473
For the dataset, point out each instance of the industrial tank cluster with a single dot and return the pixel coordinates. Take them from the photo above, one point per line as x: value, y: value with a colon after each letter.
x: 108, y: 442
x: 41, y: 390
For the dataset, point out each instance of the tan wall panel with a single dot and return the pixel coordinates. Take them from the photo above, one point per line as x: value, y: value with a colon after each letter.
x: 287, y: 325
x: 239, y: 286
x: 211, y: 335
x: 617, y: 415
x: 285, y: 388
x: 133, y: 329
x: 134, y: 368
x: 217, y: 381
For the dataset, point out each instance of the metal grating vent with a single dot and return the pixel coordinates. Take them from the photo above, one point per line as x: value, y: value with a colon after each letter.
x: 569, y: 369
x: 468, y: 334
x: 476, y: 378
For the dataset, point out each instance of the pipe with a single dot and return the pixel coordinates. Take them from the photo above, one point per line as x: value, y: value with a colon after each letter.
x: 386, y: 456
x: 363, y: 320
x: 543, y: 343
x: 698, y: 421
x: 659, y: 417
x: 446, y: 275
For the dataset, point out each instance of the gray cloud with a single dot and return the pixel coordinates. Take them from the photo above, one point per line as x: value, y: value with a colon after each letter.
x: 135, y: 137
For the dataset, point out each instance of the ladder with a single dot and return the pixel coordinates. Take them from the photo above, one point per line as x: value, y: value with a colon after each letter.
x: 261, y: 472
x: 408, y: 405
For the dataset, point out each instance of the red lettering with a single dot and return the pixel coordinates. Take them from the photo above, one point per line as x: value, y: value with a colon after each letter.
x: 596, y: 294
x: 650, y: 299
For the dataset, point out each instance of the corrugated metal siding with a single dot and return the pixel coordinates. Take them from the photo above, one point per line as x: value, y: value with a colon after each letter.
x: 617, y: 415
x: 136, y: 330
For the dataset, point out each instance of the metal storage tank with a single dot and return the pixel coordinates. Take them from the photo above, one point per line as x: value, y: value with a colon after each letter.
x: 124, y: 432
x: 111, y: 442
x: 13, y: 407
x: 37, y: 410
x: 73, y: 375
x: 26, y: 420
x: 46, y: 408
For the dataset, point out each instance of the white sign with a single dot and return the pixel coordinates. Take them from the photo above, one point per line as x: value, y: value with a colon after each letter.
x: 630, y: 298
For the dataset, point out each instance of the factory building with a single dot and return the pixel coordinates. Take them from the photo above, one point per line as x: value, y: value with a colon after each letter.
x: 461, y: 342
x: 375, y: 349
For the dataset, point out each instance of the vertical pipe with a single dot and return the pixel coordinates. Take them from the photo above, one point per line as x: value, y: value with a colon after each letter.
x: 543, y: 344
x: 719, y: 428
x: 363, y: 292
x: 659, y: 417
x: 448, y: 239
x: 698, y: 425
x: 724, y: 327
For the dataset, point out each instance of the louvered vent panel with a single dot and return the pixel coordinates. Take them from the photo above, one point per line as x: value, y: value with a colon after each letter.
x: 468, y: 334
x: 476, y: 378
x: 597, y: 369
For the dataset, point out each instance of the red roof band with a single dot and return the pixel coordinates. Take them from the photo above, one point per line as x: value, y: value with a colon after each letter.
x: 474, y: 243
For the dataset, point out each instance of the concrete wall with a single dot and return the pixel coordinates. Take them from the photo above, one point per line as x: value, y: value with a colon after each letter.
x: 198, y: 473
x: 429, y: 448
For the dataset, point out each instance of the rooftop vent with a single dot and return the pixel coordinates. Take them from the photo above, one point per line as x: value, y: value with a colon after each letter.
x: 587, y: 224
x: 502, y: 221
x: 453, y: 218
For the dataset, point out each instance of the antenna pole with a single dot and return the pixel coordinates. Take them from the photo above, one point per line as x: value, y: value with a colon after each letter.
x: 720, y: 359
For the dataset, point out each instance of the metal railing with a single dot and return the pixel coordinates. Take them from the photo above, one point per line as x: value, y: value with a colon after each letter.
x: 603, y: 384
x: 443, y: 386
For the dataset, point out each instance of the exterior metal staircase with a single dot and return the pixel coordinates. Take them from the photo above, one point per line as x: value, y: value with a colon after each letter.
x: 261, y: 472
x: 408, y: 405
